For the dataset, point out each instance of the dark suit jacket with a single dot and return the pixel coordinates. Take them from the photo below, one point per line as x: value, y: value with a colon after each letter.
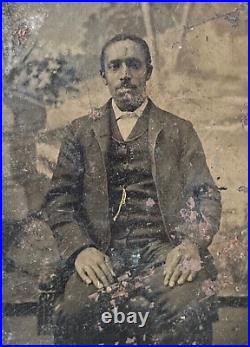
x: 77, y: 203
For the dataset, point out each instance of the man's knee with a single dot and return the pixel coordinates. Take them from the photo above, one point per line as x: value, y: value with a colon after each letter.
x: 75, y: 298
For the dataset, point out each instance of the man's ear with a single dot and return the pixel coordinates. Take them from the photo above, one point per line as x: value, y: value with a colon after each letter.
x: 149, y: 72
x: 103, y: 76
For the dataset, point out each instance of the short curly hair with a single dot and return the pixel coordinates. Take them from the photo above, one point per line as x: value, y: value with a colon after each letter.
x: 122, y: 37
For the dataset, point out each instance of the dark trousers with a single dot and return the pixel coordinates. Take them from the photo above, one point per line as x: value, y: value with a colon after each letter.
x: 179, y: 315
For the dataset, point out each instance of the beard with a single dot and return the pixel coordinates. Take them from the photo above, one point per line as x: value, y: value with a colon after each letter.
x: 128, y: 98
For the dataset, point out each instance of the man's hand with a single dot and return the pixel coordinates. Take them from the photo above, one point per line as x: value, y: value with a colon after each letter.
x: 94, y: 267
x: 182, y: 264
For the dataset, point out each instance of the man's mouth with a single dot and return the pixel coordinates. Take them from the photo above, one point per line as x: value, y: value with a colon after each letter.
x: 125, y: 89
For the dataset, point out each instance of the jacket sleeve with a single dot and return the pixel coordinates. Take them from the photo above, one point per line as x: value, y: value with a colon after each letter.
x: 201, y: 212
x: 64, y: 199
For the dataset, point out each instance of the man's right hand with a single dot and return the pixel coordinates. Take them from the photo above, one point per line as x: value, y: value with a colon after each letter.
x: 94, y: 267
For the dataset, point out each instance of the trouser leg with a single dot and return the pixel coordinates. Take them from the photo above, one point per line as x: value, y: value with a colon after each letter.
x: 175, y: 315
x: 70, y: 321
x: 179, y: 315
x: 78, y: 315
x: 78, y: 311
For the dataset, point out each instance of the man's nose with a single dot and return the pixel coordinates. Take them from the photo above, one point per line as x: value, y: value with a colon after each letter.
x: 125, y: 72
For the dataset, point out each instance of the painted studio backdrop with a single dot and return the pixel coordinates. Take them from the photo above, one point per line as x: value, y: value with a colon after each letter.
x: 51, y: 76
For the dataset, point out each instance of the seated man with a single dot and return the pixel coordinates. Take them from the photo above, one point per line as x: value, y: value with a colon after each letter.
x: 133, y: 207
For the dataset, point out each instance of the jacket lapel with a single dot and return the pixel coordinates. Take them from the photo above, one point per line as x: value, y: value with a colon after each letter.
x: 164, y: 160
x: 101, y: 128
x: 155, y: 126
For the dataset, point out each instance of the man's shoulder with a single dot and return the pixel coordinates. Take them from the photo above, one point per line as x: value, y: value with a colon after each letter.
x: 80, y: 122
x: 85, y: 122
x: 168, y: 118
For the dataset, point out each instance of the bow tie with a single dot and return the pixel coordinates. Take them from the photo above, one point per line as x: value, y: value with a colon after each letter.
x: 126, y: 115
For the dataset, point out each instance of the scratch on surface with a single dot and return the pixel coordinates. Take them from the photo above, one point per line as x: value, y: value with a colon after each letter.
x: 232, y: 17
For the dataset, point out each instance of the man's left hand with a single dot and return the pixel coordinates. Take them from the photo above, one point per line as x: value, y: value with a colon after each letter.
x: 182, y: 264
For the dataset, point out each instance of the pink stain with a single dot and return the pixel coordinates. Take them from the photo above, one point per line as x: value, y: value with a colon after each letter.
x: 94, y: 296
x: 150, y: 202
x: 209, y: 287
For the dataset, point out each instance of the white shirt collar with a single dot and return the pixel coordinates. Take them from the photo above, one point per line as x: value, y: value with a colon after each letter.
x: 138, y: 111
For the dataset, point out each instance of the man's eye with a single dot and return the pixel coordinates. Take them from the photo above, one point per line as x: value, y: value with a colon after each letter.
x: 114, y: 66
x: 134, y: 64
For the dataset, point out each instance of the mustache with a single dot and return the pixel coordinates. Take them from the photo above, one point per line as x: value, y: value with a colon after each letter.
x: 126, y: 84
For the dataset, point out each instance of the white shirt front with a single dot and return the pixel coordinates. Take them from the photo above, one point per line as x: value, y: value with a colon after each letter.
x: 126, y: 120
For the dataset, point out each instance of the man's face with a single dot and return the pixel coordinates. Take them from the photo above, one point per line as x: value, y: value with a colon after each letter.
x: 126, y: 74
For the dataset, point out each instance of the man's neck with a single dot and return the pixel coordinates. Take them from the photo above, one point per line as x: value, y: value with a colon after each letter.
x: 139, y: 110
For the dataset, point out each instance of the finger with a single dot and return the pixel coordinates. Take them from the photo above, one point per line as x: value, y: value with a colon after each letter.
x: 91, y: 274
x: 192, y: 276
x: 183, y: 278
x: 107, y: 272
x: 175, y: 276
x: 171, y: 263
x: 84, y: 277
x: 170, y: 267
x: 101, y: 276
x: 109, y: 265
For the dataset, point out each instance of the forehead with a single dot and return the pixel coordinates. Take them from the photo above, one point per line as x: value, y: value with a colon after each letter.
x: 123, y: 50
